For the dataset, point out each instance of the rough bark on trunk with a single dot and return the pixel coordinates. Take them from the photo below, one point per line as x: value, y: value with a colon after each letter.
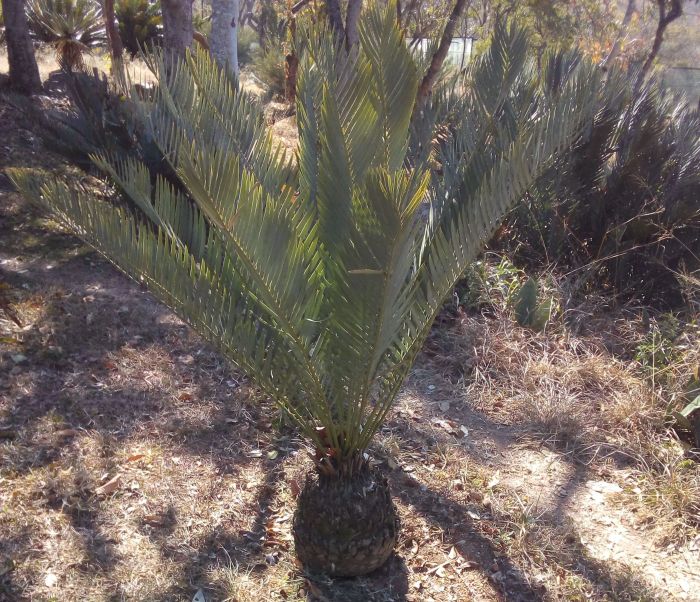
x: 177, y: 25
x: 24, y: 73
x: 669, y: 11
x: 114, y: 42
x: 345, y: 526
x: 224, y: 34
x: 438, y: 59
x: 352, y: 16
x: 335, y: 17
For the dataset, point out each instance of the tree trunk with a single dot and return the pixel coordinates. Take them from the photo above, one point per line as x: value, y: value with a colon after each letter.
x: 335, y: 17
x: 669, y: 11
x: 177, y: 25
x: 352, y: 34
x: 291, y: 63
x: 224, y: 34
x: 615, y: 50
x: 24, y: 73
x: 426, y: 85
x: 114, y: 42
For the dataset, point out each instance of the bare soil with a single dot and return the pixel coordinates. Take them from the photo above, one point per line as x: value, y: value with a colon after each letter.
x: 137, y: 464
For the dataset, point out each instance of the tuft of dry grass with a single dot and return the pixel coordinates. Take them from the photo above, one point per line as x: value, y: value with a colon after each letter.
x: 567, y: 390
x: 585, y: 392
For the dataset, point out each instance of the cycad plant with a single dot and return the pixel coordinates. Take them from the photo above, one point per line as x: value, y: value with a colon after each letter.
x: 73, y: 27
x: 140, y: 24
x: 320, y: 276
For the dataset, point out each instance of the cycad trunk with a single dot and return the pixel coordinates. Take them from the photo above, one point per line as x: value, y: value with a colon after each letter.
x: 177, y: 25
x: 345, y: 525
x: 224, y: 34
x: 24, y: 73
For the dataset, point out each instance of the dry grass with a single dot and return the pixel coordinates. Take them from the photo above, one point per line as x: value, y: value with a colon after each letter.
x: 585, y: 395
x: 568, y: 390
x: 99, y: 59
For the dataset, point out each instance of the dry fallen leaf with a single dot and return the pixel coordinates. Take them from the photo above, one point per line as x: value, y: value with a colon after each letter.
x: 67, y: 433
x: 110, y: 486
x: 470, y: 564
x: 495, y: 480
x: 135, y: 457
x: 439, y: 570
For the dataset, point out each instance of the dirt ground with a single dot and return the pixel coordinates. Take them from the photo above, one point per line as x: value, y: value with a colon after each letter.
x: 137, y: 464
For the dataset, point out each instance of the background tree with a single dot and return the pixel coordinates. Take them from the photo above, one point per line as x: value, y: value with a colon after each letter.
x: 352, y: 16
x: 178, y: 32
x: 24, y: 72
x: 440, y: 54
x: 615, y: 50
x: 114, y: 41
x: 669, y: 11
x: 223, y: 40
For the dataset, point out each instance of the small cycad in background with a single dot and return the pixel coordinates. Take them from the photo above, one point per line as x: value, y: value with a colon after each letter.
x: 140, y: 24
x: 72, y: 27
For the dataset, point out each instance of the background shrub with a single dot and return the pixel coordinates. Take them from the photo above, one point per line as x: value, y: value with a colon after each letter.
x: 623, y: 204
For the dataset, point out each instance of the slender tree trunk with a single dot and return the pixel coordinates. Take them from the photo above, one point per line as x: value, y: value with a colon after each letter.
x: 352, y: 34
x: 177, y: 25
x: 426, y: 85
x: 114, y: 42
x: 669, y: 11
x: 245, y: 12
x: 335, y: 17
x: 224, y: 34
x: 291, y: 63
x: 615, y: 50
x: 24, y: 73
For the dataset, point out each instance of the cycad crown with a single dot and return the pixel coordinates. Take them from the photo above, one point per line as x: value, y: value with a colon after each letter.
x: 318, y: 276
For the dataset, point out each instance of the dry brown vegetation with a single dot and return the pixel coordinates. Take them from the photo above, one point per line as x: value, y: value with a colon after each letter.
x: 136, y: 464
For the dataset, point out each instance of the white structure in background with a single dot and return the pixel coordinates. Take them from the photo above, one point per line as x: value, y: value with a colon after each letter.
x: 458, y: 54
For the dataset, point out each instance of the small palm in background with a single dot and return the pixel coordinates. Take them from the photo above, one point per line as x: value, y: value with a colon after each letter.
x: 73, y: 27
x: 320, y: 277
x: 140, y: 24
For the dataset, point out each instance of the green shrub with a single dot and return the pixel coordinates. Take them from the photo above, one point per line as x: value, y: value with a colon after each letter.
x: 73, y: 27
x: 140, y: 24
x: 623, y: 205
x: 247, y: 42
x: 532, y: 308
x: 268, y: 66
